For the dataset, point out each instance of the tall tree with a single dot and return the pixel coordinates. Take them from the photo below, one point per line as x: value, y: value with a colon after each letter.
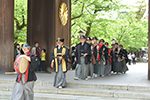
x: 129, y: 31
x: 86, y: 14
x: 20, y: 21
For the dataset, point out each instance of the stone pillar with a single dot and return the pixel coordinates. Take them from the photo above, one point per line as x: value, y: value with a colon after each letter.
x: 44, y: 25
x: 6, y: 35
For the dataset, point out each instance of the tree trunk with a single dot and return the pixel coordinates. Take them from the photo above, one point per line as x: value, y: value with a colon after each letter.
x: 88, y: 29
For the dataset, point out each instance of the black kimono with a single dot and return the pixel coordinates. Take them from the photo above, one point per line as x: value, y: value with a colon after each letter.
x: 124, y: 59
x: 81, y: 70
x: 117, y: 65
x: 103, y: 59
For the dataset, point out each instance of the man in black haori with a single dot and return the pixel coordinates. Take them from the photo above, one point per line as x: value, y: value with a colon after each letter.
x: 108, y: 59
x: 95, y: 53
x: 90, y: 65
x: 113, y: 57
x: 117, y: 65
x: 81, y: 56
x: 124, y: 57
x: 102, y: 58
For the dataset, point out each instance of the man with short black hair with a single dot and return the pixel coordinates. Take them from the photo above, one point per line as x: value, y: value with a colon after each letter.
x: 124, y: 58
x: 118, y: 53
x: 95, y: 53
x: 102, y: 58
x: 107, y: 58
x: 82, y: 53
x: 90, y: 65
x: 36, y: 50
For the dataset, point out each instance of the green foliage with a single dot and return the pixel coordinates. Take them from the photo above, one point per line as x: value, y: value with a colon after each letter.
x: 129, y: 31
x: 102, y: 18
x: 92, y: 16
x: 20, y: 21
x: 141, y: 9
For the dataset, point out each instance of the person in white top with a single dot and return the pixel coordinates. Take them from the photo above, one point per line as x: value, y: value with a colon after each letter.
x: 130, y: 58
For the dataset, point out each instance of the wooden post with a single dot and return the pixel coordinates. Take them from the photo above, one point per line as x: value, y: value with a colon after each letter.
x: 149, y: 44
x: 6, y: 35
x: 44, y: 24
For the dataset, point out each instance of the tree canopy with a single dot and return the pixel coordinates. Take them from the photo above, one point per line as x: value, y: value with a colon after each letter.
x: 105, y: 19
x: 109, y: 19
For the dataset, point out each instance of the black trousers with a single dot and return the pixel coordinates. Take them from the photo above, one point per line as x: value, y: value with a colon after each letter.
x: 43, y: 65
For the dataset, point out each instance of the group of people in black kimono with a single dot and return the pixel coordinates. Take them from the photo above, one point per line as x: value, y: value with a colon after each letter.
x: 98, y: 59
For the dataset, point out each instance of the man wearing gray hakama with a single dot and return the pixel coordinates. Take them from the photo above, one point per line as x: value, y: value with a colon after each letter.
x: 112, y: 55
x: 59, y: 59
x: 81, y: 56
x: 102, y: 58
x: 95, y: 53
x: 118, y: 53
x: 123, y: 61
x: 113, y: 61
x: 90, y: 65
x: 107, y: 55
x: 23, y: 88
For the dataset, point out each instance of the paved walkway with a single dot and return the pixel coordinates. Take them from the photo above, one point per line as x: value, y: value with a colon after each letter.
x: 136, y: 76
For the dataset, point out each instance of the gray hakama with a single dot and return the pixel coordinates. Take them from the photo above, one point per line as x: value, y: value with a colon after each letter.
x: 78, y: 71
x: 124, y: 66
x: 101, y: 68
x: 107, y: 68
x: 81, y: 69
x: 23, y: 91
x: 60, y: 78
x: 84, y: 69
x: 118, y: 67
x: 90, y: 69
x: 96, y: 68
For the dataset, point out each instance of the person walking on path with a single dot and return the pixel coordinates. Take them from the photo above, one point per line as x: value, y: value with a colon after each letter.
x: 123, y: 59
x: 90, y: 65
x: 102, y: 58
x: 133, y: 58
x: 59, y: 59
x: 82, y: 53
x: 118, y: 54
x: 130, y: 58
x: 108, y: 59
x: 95, y: 53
